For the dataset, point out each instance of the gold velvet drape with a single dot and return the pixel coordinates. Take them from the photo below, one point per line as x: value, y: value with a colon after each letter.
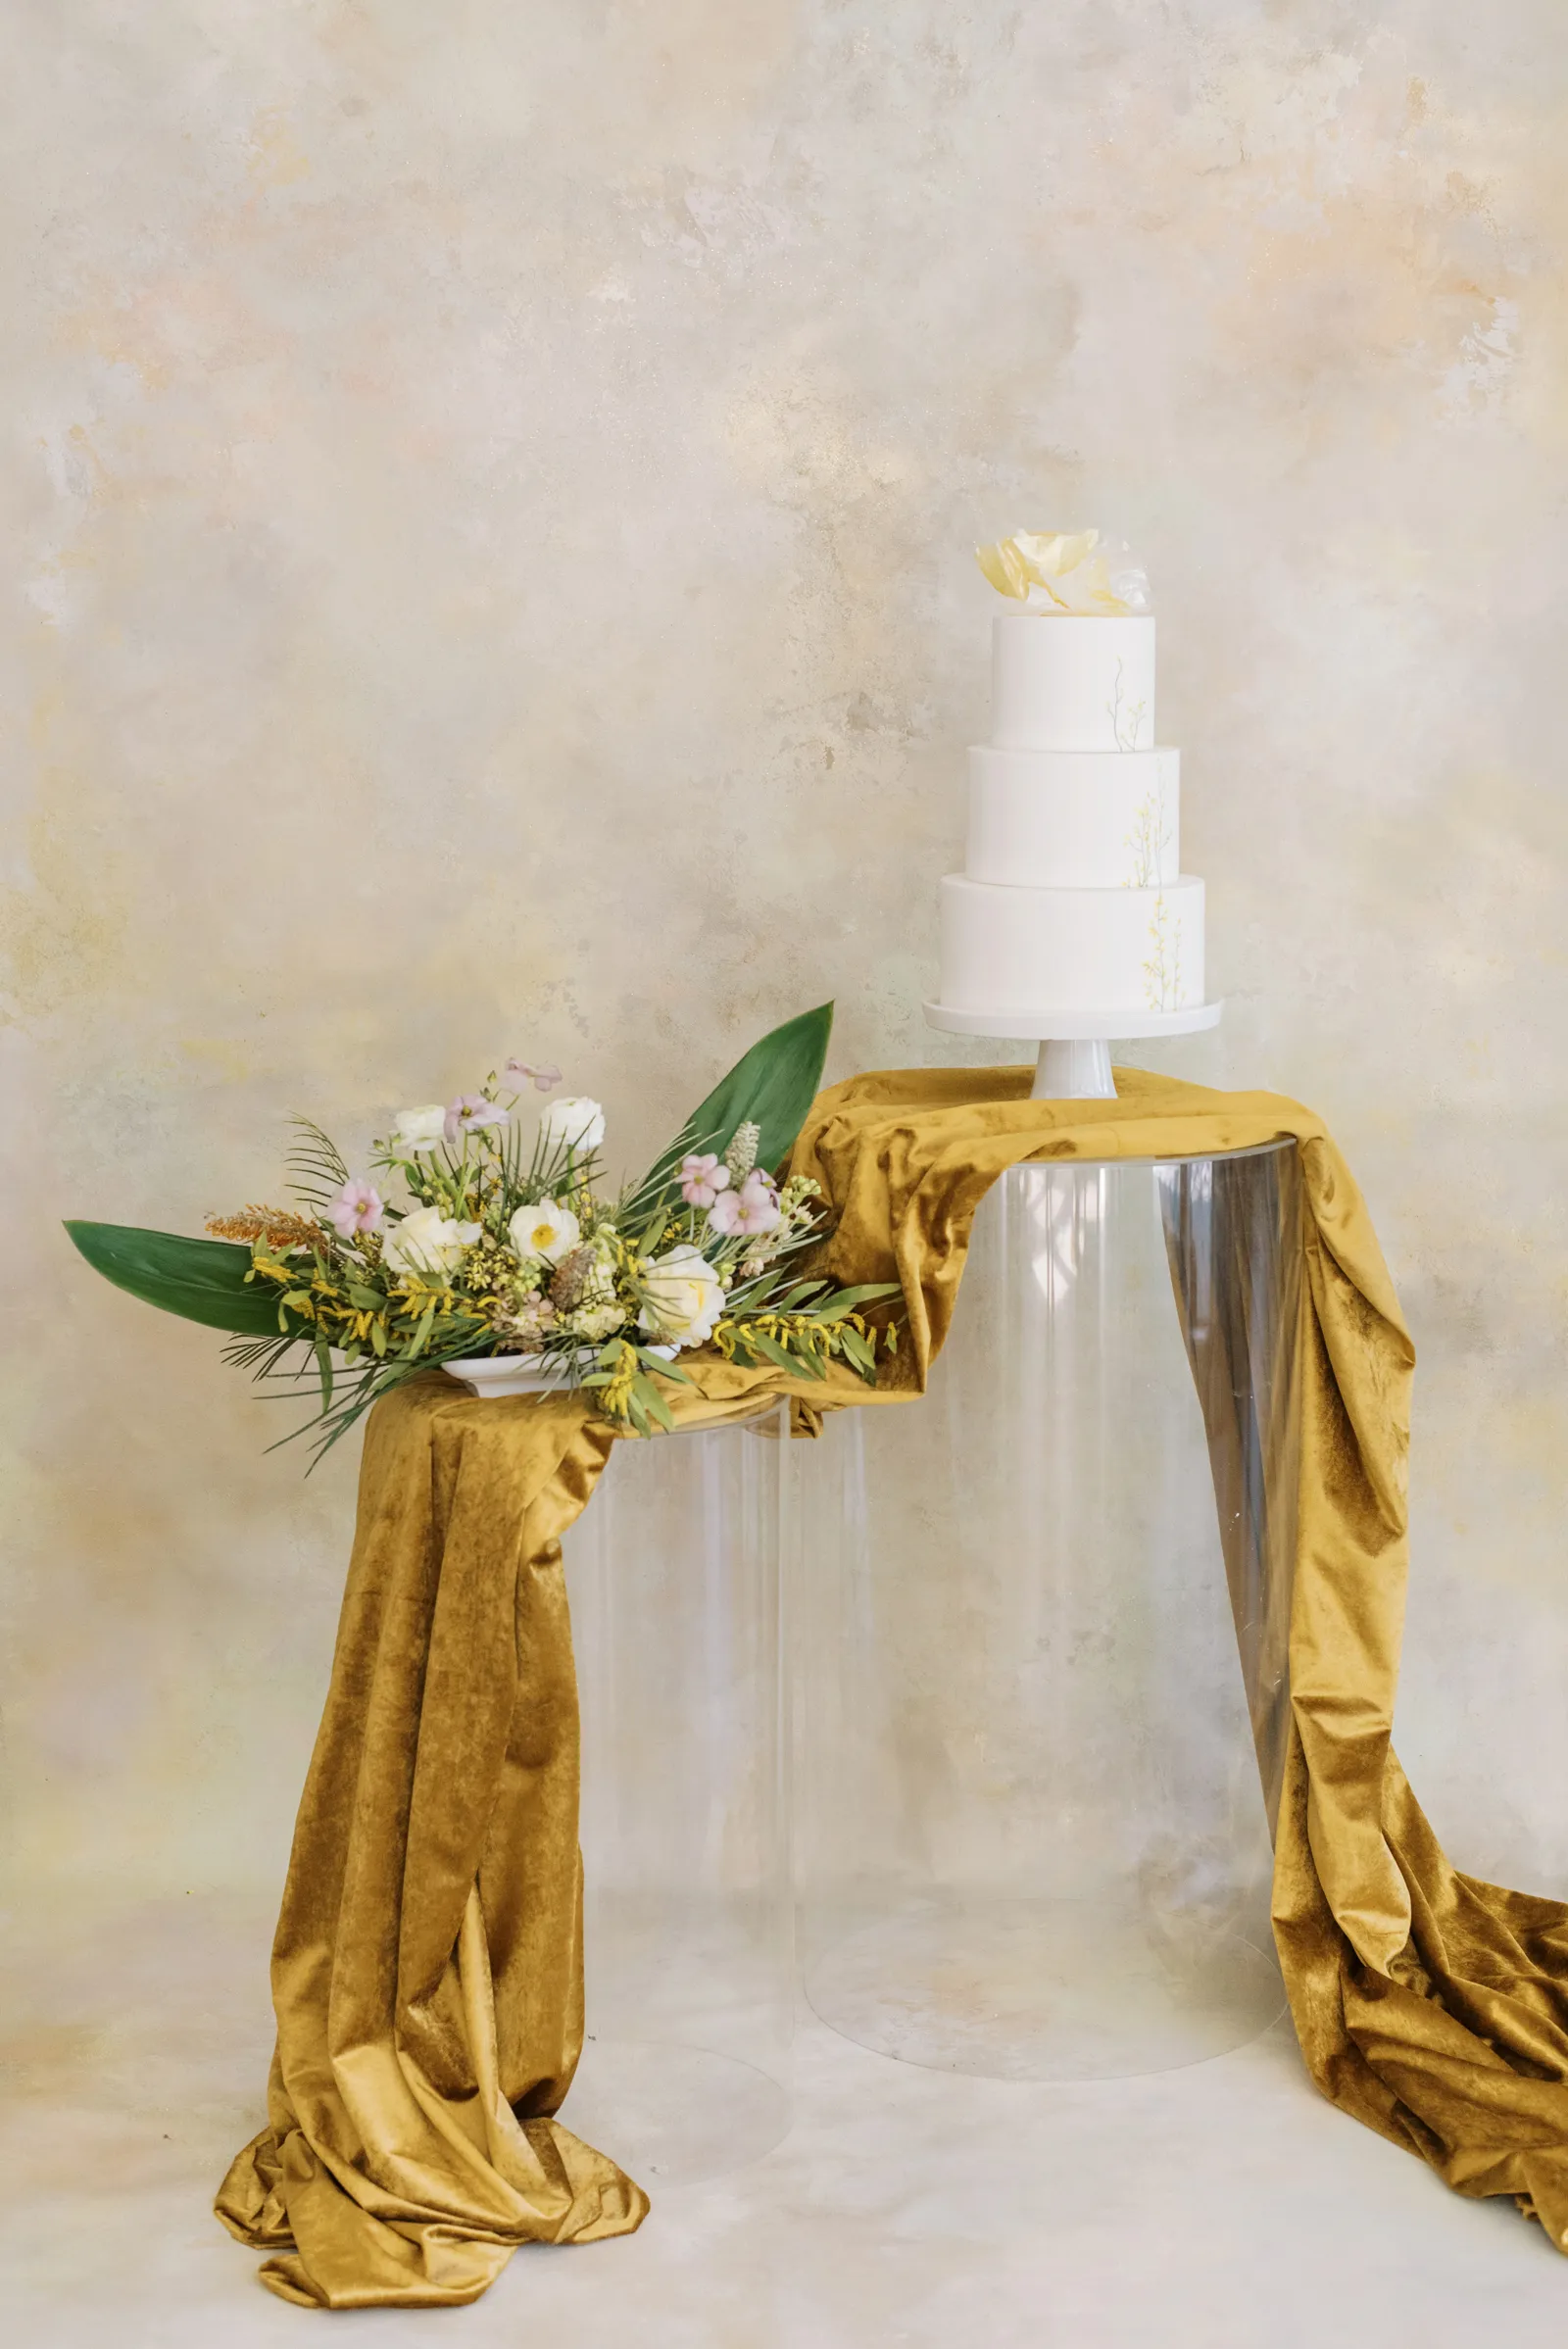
x: 428, y: 1973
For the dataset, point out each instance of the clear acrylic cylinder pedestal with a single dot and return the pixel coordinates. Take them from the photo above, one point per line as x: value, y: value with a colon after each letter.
x: 1043, y: 1637
x: 672, y: 1573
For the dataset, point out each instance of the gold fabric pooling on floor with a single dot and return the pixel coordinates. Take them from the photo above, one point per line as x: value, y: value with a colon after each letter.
x: 428, y: 1971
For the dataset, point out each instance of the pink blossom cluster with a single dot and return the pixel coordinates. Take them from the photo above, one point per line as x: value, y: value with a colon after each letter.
x: 356, y: 1208
x: 470, y: 1112
x: 754, y: 1207
x: 543, y: 1078
x: 702, y: 1176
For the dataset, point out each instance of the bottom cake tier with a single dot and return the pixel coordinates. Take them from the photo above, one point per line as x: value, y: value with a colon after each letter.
x: 1022, y: 949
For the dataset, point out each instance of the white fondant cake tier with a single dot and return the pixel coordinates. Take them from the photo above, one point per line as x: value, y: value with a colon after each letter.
x: 1070, y: 684
x: 1074, y: 819
x: 1016, y: 950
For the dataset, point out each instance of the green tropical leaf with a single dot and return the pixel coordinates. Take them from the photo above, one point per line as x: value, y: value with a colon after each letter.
x: 200, y: 1280
x: 773, y: 1086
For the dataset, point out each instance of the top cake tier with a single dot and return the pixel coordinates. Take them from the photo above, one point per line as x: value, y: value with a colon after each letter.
x: 1069, y: 684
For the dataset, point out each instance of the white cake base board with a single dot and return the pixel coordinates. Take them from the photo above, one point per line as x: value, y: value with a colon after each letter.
x: 1074, y: 1063
x: 1075, y: 1026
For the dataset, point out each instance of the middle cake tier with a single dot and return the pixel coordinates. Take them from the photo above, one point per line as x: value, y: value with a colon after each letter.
x: 1074, y: 819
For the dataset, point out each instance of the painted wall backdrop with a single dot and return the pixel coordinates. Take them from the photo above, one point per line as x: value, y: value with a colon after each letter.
x: 488, y: 494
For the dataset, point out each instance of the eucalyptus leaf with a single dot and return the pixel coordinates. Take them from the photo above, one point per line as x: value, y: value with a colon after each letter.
x: 653, y: 1405
x: 797, y: 1296
x: 845, y: 1301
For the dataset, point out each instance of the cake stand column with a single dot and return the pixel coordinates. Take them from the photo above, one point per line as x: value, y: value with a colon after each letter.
x: 1078, y: 1070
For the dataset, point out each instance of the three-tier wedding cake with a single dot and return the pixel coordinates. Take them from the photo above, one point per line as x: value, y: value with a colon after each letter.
x: 1072, y: 917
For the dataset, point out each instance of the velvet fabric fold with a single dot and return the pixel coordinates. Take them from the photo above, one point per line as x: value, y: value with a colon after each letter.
x: 428, y: 1971
x: 1431, y: 2006
x: 427, y: 1968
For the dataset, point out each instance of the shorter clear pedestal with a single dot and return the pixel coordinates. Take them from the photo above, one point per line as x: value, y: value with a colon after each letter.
x: 1035, y: 1785
x: 672, y: 1572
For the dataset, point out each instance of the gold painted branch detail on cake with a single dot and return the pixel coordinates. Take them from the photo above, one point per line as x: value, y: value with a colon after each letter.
x: 1077, y: 574
x: 1163, y: 972
x: 1148, y: 840
x: 1126, y: 717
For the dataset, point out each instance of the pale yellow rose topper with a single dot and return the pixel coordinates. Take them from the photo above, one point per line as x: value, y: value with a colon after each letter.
x: 1068, y: 571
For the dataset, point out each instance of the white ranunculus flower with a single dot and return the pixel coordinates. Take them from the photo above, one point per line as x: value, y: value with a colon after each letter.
x: 547, y: 1230
x: 421, y: 1129
x: 684, y: 1298
x: 576, y: 1122
x: 427, y: 1240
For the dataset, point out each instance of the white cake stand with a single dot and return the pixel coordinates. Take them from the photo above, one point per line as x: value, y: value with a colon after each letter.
x: 1074, y: 1063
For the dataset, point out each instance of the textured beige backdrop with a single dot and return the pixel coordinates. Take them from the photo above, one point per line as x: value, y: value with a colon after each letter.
x: 488, y: 492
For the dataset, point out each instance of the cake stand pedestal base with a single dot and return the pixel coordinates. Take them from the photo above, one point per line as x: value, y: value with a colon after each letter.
x: 1074, y: 1063
x: 1075, y: 1070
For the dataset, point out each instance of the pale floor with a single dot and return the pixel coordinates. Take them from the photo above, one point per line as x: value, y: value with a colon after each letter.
x: 1224, y: 2206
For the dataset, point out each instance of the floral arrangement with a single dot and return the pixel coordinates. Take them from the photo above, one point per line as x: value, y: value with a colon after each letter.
x: 1077, y: 572
x: 480, y: 1232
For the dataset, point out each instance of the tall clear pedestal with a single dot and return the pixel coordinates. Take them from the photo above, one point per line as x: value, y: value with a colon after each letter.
x: 688, y: 1932
x: 1043, y: 1639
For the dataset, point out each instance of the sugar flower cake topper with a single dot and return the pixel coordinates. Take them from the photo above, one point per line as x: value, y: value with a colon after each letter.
x: 1076, y: 573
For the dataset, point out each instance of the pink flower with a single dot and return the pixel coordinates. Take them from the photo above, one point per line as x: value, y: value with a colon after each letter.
x: 752, y: 1208
x: 356, y: 1208
x: 702, y: 1179
x: 469, y: 1111
x: 544, y: 1079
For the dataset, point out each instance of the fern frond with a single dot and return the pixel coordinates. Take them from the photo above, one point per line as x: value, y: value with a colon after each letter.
x: 314, y: 1163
